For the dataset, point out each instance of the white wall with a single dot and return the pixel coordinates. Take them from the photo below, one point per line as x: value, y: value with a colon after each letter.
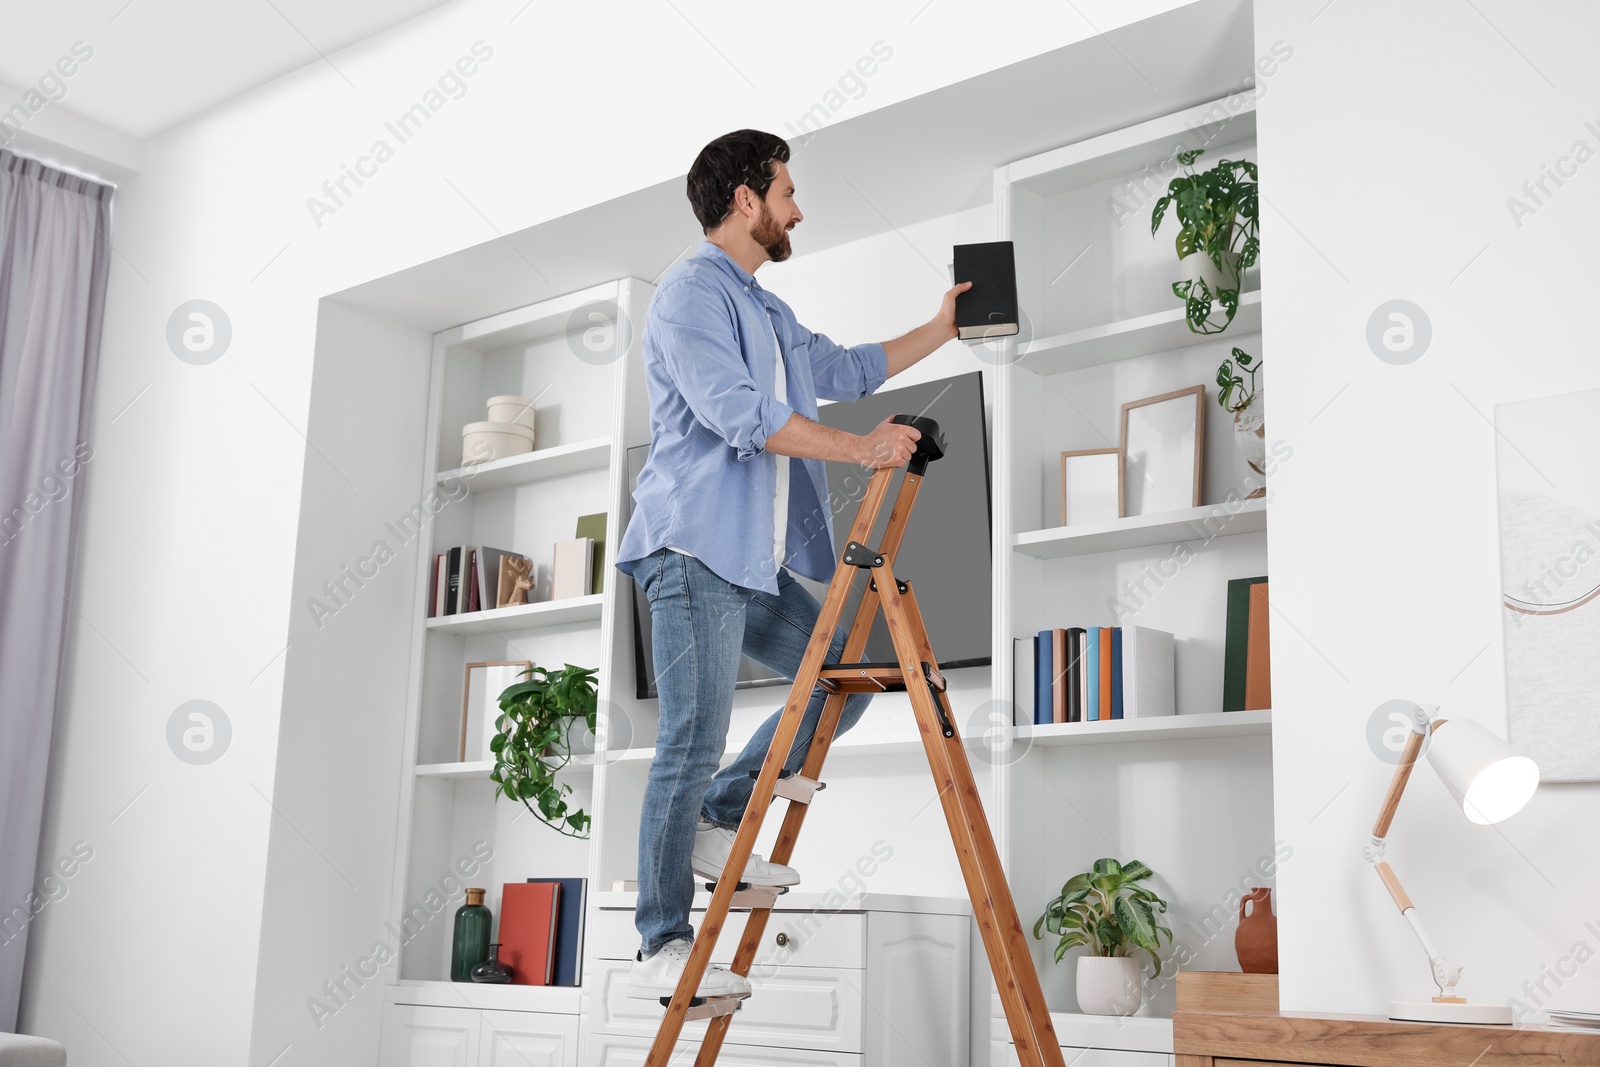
x: 1389, y: 147
x: 191, y: 509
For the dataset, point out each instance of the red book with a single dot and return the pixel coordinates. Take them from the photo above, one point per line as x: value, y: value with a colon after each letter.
x: 528, y: 917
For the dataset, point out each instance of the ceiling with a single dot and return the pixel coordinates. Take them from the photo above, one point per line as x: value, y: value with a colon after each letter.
x: 928, y: 156
x: 184, y: 56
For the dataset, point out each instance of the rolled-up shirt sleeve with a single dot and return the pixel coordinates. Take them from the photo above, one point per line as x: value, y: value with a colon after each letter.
x: 699, y: 346
x: 844, y: 373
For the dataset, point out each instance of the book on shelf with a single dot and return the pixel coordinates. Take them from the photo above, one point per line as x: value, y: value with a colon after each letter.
x: 1058, y: 687
x: 594, y: 528
x: 573, y: 570
x: 1074, y: 673
x: 1021, y: 680
x: 529, y: 913
x: 1258, y: 652
x: 569, y: 930
x: 1091, y: 704
x: 1043, y: 698
x: 1236, y: 665
x: 1117, y: 681
x: 453, y: 586
x: 436, y: 587
x: 1108, y: 673
x: 1149, y: 682
x: 486, y: 576
x: 989, y: 308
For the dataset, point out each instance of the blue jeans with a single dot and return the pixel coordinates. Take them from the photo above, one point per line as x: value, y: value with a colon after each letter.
x: 701, y: 623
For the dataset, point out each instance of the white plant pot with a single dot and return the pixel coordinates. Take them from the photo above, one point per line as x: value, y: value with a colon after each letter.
x: 1110, y: 985
x: 517, y: 409
x: 485, y: 441
x: 1198, y: 266
x: 1250, y: 431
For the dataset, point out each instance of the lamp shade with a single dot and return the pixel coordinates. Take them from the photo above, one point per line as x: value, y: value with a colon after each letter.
x: 1491, y: 782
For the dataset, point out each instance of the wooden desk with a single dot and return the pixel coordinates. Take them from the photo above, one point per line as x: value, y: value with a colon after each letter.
x: 1232, y: 1020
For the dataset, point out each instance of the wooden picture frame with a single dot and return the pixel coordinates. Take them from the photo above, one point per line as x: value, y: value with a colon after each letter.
x: 485, y: 703
x: 1090, y: 493
x: 1155, y: 457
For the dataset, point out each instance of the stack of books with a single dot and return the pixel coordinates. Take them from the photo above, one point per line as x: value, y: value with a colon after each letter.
x: 473, y: 578
x: 1100, y: 673
x: 541, y: 930
x: 1247, y: 654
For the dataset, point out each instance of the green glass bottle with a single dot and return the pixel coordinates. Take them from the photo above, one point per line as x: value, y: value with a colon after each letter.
x: 471, y: 945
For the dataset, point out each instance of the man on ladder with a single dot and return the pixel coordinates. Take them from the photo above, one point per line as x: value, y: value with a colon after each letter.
x: 733, y: 496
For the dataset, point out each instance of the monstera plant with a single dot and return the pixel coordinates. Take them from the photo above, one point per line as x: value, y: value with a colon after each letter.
x: 532, y: 742
x: 1218, y: 220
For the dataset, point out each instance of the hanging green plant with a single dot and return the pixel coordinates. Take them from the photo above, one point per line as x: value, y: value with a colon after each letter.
x: 1219, y: 218
x: 1232, y: 392
x: 532, y: 742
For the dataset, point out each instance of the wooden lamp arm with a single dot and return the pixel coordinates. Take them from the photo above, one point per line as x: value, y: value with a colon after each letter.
x: 1444, y: 974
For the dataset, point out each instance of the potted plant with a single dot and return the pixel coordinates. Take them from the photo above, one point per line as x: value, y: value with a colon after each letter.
x: 1247, y: 404
x: 1107, y: 910
x: 1218, y: 226
x: 533, y: 741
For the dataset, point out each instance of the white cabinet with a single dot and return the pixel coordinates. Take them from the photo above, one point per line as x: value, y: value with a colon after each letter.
x: 416, y: 1035
x: 870, y: 987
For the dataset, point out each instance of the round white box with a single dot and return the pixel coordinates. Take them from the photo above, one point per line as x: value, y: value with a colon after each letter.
x: 485, y: 441
x: 517, y: 409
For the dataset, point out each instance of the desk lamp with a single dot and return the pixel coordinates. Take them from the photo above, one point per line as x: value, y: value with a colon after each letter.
x: 1492, y: 783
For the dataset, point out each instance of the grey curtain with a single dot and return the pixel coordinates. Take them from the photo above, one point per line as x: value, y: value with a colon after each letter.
x: 54, y: 256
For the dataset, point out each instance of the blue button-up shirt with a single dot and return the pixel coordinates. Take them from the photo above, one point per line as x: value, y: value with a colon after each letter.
x: 709, y: 483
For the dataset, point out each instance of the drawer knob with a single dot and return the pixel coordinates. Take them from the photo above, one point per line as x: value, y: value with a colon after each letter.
x: 782, y: 938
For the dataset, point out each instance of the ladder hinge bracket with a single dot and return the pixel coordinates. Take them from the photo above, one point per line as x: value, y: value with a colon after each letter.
x: 857, y: 554
x: 936, y: 691
x: 899, y: 585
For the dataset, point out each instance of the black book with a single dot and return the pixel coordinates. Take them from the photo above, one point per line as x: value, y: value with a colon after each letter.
x: 989, y: 308
x: 452, y: 596
x: 1074, y: 674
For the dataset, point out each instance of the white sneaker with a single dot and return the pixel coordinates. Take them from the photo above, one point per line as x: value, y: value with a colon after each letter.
x: 659, y: 975
x: 712, y: 844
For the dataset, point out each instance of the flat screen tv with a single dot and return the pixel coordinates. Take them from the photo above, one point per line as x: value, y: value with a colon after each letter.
x: 946, y: 554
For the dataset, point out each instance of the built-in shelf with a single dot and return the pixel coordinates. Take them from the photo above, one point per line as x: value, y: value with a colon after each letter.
x: 557, y: 1000
x: 523, y: 616
x: 481, y: 768
x: 1141, y: 531
x: 816, y: 900
x: 1158, y: 728
x: 535, y: 466
x: 1129, y: 338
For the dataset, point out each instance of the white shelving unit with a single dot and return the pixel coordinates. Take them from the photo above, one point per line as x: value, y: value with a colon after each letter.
x: 1188, y: 794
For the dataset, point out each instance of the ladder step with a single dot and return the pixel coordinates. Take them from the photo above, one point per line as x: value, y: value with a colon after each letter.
x: 752, y: 897
x: 709, y: 1007
x: 869, y: 678
x: 795, y: 787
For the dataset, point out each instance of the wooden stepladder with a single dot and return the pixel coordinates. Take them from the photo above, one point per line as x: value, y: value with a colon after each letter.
x: 917, y: 674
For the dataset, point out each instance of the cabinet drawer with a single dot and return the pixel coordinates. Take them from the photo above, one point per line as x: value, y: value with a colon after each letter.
x: 792, y: 1008
x: 813, y: 939
x: 1102, y: 1057
x: 601, y: 1050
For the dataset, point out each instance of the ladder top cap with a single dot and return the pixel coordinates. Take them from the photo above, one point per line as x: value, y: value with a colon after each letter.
x: 931, y: 445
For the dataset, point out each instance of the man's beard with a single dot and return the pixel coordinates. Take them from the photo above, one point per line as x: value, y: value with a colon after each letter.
x: 769, y: 234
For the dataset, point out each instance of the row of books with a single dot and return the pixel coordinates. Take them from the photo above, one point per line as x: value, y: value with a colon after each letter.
x: 470, y: 578
x: 1099, y: 673
x: 541, y: 930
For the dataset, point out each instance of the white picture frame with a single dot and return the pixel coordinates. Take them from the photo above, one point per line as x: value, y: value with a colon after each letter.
x: 1091, y: 486
x: 1163, y: 452
x: 481, y: 687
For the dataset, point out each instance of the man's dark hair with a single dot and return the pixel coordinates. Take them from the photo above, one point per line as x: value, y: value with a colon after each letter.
x: 743, y: 157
